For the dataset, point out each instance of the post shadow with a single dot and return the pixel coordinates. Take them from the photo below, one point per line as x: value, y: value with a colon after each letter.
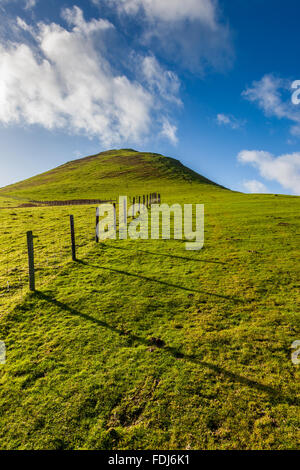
x: 275, y: 395
x: 166, y: 255
x: 175, y: 286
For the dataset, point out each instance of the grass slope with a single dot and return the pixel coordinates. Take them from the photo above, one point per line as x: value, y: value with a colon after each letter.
x: 107, y: 173
x: 142, y: 345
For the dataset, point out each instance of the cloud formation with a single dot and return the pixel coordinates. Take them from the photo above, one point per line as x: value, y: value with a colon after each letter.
x: 165, y: 82
x: 171, y: 10
x: 254, y: 186
x: 273, y: 96
x: 62, y: 78
x: 30, y: 4
x: 284, y: 169
x: 27, y: 4
x: 169, y: 130
x: 229, y: 120
x: 189, y: 33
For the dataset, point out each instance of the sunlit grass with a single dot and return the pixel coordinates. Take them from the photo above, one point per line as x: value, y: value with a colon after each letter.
x: 143, y: 345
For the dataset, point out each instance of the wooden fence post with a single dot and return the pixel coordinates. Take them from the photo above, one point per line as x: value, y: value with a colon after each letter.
x: 115, y: 217
x: 73, y: 237
x: 30, y: 261
x: 97, y: 223
x: 122, y: 217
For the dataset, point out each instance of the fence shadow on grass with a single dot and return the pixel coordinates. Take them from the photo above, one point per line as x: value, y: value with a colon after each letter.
x: 168, y: 284
x: 165, y: 255
x: 275, y: 395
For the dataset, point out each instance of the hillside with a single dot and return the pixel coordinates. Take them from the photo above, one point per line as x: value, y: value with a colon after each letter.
x: 141, y: 344
x: 109, y: 173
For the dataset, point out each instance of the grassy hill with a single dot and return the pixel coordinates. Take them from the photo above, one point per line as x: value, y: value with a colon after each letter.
x: 107, y: 173
x: 140, y: 344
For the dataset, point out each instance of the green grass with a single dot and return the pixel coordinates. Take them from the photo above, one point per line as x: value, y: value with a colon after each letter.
x: 108, y: 174
x: 143, y: 345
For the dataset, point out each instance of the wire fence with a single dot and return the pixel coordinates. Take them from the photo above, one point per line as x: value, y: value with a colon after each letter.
x: 52, y: 241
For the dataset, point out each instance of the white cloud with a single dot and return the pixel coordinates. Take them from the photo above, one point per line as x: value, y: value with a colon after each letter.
x: 65, y: 80
x: 170, y: 131
x: 230, y: 121
x: 254, y: 186
x: 284, y: 169
x: 171, y: 10
x: 30, y: 4
x: 23, y: 25
x: 189, y: 33
x: 273, y: 96
x: 165, y: 82
x: 27, y: 4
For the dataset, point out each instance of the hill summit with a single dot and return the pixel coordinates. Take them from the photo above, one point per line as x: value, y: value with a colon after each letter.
x: 106, y: 174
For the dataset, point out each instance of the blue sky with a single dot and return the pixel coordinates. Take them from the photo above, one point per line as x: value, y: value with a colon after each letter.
x: 205, y: 81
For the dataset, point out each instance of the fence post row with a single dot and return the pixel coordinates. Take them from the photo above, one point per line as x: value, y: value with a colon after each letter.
x: 73, y: 237
x: 148, y: 200
x: 30, y: 261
